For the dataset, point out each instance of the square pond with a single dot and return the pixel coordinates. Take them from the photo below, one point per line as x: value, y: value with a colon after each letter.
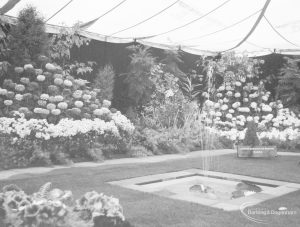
x: 209, y: 188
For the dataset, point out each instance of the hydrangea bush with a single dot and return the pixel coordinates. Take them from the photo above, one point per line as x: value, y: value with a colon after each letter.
x: 48, y: 116
x: 242, y: 98
x: 51, y: 94
x: 57, y: 208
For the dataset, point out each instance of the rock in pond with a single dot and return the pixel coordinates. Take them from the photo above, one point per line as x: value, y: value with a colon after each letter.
x: 247, y: 186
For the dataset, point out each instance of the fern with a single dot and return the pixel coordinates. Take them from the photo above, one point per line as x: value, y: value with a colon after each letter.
x: 43, y: 192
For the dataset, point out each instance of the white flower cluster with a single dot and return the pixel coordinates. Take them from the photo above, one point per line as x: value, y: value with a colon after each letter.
x: 286, y: 118
x: 41, y: 129
x: 287, y: 134
x: 122, y: 122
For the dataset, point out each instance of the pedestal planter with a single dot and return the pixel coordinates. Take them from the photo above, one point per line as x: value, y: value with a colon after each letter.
x: 256, y: 152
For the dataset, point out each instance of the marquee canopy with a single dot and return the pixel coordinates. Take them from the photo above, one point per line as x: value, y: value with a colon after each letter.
x: 256, y: 27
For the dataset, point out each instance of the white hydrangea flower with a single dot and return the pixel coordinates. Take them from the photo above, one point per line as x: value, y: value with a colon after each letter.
x: 237, y: 95
x: 253, y: 105
x: 237, y: 83
x: 217, y: 105
x: 169, y: 93
x: 224, y: 107
x: 249, y: 118
x: 244, y: 109
x: 221, y: 88
x: 218, y: 114
x: 229, y: 115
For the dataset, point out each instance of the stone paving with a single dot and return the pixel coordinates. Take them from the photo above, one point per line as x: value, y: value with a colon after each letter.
x: 5, y: 174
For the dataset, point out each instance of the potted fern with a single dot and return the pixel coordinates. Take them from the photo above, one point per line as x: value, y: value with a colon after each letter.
x: 252, y: 147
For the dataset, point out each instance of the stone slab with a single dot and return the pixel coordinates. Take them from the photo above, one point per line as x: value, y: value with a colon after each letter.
x: 263, y: 196
x: 226, y: 206
x: 279, y: 191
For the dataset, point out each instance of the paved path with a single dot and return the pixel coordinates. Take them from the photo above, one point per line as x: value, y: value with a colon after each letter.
x: 153, y: 159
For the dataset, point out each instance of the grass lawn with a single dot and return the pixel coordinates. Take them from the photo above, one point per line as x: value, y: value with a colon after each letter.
x: 144, y: 209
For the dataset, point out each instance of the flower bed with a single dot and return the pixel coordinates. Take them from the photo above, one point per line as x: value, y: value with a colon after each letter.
x: 37, y: 142
x: 242, y: 98
x: 49, y: 117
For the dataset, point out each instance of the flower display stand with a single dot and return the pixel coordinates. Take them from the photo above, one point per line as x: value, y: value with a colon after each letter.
x: 256, y: 152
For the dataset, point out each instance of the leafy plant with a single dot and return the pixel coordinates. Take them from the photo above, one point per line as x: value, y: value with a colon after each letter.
x: 165, y: 109
x: 28, y: 38
x: 63, y: 42
x: 193, y: 86
x: 80, y: 69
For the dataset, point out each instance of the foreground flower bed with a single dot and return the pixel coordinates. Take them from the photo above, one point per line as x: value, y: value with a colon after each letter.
x: 57, y: 208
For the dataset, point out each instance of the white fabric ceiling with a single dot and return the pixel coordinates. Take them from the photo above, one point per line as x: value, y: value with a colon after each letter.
x: 195, y: 30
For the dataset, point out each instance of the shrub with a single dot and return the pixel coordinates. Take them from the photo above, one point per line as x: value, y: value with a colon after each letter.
x: 139, y: 151
x: 28, y: 39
